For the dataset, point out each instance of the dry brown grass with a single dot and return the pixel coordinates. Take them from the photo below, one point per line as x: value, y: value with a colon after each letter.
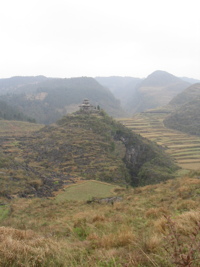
x: 156, y: 212
x: 160, y: 225
x: 26, y: 248
x: 132, y: 232
x: 99, y: 218
x: 121, y: 238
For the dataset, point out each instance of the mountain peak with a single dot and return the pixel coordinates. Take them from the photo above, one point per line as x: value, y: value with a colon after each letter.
x: 160, y: 78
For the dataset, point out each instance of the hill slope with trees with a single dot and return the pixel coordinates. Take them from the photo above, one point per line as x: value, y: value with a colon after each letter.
x: 49, y: 100
x: 78, y: 147
x: 8, y: 112
x: 185, y: 116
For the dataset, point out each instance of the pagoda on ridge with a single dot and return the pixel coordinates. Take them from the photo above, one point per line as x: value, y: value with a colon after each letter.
x: 86, y: 107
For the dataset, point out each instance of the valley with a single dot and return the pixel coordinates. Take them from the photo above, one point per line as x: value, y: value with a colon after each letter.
x: 184, y: 148
x: 52, y: 215
x: 86, y: 190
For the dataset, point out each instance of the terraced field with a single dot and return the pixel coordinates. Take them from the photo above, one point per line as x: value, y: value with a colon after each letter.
x: 17, y: 128
x: 184, y: 148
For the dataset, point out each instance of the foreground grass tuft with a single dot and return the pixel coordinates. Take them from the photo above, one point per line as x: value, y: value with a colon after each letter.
x: 154, y: 225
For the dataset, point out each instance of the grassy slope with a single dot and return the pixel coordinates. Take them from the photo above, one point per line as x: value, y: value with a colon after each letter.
x: 185, y: 111
x: 183, y: 147
x: 78, y: 147
x: 133, y: 232
x: 186, y: 118
x: 55, y: 156
x: 189, y: 94
x: 17, y: 128
x: 13, y: 178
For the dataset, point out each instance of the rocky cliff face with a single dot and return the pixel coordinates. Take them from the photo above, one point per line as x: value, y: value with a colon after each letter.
x: 147, y: 162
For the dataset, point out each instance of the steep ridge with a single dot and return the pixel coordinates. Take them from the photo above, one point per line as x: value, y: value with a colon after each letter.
x: 78, y: 147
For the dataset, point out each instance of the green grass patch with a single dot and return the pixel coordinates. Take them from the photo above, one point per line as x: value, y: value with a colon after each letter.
x: 4, y: 212
x: 86, y: 191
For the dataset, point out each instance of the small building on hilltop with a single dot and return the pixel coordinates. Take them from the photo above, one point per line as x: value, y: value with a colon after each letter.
x: 86, y: 107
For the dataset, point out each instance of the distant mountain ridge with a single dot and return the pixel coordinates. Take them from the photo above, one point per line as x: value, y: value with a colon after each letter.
x: 137, y: 95
x: 155, y: 91
x: 10, y: 85
x: 49, y: 99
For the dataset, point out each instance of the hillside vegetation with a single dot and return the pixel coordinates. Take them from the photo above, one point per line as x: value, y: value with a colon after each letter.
x: 82, y: 146
x: 186, y: 118
x: 189, y: 94
x: 8, y: 112
x: 155, y: 91
x: 50, y: 99
x: 145, y: 228
x: 185, y: 115
x: 14, y: 84
x: 11, y: 129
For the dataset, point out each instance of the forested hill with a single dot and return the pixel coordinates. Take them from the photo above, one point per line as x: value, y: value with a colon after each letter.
x: 52, y: 98
x: 157, y: 90
x: 8, y: 112
x: 185, y: 116
x: 189, y: 94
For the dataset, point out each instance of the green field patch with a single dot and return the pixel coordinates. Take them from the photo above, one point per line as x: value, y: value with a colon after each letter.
x: 86, y: 191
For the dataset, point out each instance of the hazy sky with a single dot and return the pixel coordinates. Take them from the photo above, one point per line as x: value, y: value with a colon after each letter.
x: 70, y: 38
